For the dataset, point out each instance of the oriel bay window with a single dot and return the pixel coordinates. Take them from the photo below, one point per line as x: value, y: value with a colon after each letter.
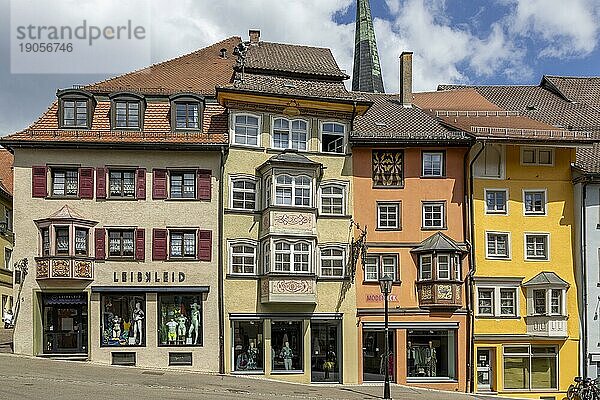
x: 81, y: 241
x: 289, y: 256
x: 61, y: 233
x: 289, y: 190
x: 67, y: 237
x: 439, y: 267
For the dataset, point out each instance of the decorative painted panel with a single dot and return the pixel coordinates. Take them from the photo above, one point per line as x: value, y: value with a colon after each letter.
x: 387, y: 168
x: 42, y: 270
x: 286, y: 289
x: 61, y: 268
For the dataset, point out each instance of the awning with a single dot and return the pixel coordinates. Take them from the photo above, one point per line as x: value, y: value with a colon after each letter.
x: 150, y: 289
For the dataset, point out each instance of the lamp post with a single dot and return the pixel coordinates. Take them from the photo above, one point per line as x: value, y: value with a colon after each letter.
x: 385, y: 283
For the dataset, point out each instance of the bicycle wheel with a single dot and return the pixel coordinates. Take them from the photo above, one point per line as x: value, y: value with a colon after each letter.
x: 572, y: 393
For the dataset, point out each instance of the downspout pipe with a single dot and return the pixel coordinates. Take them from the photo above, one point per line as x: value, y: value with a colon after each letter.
x: 584, y: 324
x: 220, y: 274
x: 470, y: 226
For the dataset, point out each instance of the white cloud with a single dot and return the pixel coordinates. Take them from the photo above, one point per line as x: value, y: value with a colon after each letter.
x: 562, y: 28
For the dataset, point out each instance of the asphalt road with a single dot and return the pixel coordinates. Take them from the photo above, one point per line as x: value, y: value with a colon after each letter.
x: 36, y: 378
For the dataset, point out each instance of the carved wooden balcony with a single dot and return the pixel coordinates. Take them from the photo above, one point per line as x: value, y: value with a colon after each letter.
x: 439, y: 294
x: 56, y: 267
x: 288, y: 289
x: 547, y: 325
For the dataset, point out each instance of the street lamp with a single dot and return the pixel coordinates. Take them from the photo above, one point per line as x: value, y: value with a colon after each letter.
x: 385, y: 283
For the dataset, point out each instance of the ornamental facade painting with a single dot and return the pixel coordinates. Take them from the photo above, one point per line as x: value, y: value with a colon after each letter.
x: 387, y: 167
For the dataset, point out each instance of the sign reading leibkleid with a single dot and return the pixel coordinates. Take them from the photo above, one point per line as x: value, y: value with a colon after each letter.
x: 148, y: 277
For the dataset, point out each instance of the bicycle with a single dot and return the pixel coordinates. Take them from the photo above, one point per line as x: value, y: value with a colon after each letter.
x: 584, y: 389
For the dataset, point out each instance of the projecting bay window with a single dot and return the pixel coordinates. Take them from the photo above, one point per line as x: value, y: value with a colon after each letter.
x: 61, y: 233
x: 288, y: 190
x: 547, y: 301
x: 45, y: 232
x: 63, y: 238
x: 81, y: 241
x: 287, y: 256
x: 439, y: 267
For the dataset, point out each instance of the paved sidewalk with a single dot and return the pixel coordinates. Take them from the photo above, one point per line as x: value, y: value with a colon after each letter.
x: 36, y: 378
x: 6, y: 338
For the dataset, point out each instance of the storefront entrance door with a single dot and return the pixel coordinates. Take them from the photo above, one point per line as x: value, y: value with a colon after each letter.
x: 484, y: 370
x: 374, y: 360
x: 325, y: 351
x: 65, y: 321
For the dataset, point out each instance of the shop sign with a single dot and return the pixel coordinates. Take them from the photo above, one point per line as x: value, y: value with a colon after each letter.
x: 148, y: 277
x: 57, y: 299
x: 379, y: 297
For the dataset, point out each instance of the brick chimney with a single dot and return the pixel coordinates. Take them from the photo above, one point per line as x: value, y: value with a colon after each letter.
x: 406, y: 78
x: 254, y: 36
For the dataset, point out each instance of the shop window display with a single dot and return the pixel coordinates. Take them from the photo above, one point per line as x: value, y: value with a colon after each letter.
x: 286, y: 345
x: 248, y: 346
x: 180, y: 320
x: 123, y: 320
x: 431, y: 354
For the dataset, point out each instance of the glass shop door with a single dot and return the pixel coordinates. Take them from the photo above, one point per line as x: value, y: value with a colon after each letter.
x: 484, y: 370
x: 65, y: 324
x: 325, y: 351
x: 374, y: 359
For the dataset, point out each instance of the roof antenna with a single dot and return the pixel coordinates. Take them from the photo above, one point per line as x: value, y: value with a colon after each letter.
x: 240, y: 52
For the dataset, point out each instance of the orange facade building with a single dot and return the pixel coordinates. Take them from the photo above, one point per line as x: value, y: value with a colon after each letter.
x: 409, y: 192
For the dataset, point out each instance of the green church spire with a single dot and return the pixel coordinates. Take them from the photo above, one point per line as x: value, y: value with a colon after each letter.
x: 366, y: 73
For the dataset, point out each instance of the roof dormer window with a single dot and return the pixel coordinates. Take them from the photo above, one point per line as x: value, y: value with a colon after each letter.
x: 186, y: 111
x: 127, y: 110
x: 75, y: 108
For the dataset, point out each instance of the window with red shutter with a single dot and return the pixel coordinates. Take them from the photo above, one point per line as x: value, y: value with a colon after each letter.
x: 86, y: 183
x: 39, y: 187
x: 140, y: 244
x: 159, y: 244
x: 99, y: 237
x: 204, y: 245
x: 100, y: 183
x: 159, y: 184
x: 204, y: 184
x: 140, y: 184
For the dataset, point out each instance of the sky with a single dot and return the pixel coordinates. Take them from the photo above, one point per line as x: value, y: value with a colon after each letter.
x: 453, y: 41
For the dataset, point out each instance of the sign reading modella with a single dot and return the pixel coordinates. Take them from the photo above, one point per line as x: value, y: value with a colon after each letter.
x: 379, y: 297
x: 148, y: 277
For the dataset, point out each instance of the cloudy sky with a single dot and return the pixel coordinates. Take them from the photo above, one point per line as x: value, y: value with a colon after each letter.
x: 454, y: 41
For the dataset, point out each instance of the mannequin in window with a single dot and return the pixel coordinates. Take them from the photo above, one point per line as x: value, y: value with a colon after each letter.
x: 252, y: 355
x: 172, y: 334
x: 181, y: 320
x: 431, y: 360
x: 116, y: 327
x: 137, y: 319
x: 287, y: 354
x: 194, y: 322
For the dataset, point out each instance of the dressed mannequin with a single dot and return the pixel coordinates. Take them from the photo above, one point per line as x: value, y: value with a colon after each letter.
x: 181, y: 320
x: 252, y: 355
x: 286, y: 354
x: 116, y: 327
x: 194, y: 322
x: 138, y: 318
x: 172, y: 335
x: 432, y: 359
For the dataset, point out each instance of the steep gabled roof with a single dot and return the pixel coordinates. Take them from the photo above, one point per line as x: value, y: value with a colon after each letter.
x: 580, y: 89
x: 198, y: 72
x: 292, y: 60
x: 546, y: 278
x: 389, y: 121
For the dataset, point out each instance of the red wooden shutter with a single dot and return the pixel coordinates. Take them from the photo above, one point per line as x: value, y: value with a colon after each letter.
x: 159, y: 184
x: 100, y: 183
x: 204, y: 184
x: 86, y: 183
x: 99, y: 237
x: 140, y: 244
x: 159, y: 244
x: 140, y: 184
x: 204, y: 245
x: 39, y: 187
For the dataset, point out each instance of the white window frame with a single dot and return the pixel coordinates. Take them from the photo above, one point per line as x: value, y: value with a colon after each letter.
x: 344, y: 136
x: 448, y: 264
x: 332, y: 258
x: 443, y: 212
x: 421, y: 257
x: 536, y: 152
x: 292, y: 252
x: 293, y: 186
x: 534, y: 213
x: 508, y: 246
x: 243, y: 242
x: 548, y: 299
x: 527, y: 257
x: 344, y: 196
x: 442, y: 164
x: 393, y: 204
x: 249, y: 178
x: 497, y: 288
x: 380, y: 266
x: 530, y: 356
x: 495, y: 212
x: 491, y: 290
x: 290, y: 132
x: 232, y: 129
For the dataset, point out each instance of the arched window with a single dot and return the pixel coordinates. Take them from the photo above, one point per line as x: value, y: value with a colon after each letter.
x: 293, y: 190
x: 293, y: 257
x: 290, y: 134
x: 489, y: 163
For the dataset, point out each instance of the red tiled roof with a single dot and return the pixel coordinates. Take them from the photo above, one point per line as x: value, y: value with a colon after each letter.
x: 453, y: 100
x: 6, y: 171
x: 197, y: 72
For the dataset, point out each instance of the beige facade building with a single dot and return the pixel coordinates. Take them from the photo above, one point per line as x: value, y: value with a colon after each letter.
x: 118, y: 186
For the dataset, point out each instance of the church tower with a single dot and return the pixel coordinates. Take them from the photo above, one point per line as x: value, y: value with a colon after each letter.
x: 366, y: 73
